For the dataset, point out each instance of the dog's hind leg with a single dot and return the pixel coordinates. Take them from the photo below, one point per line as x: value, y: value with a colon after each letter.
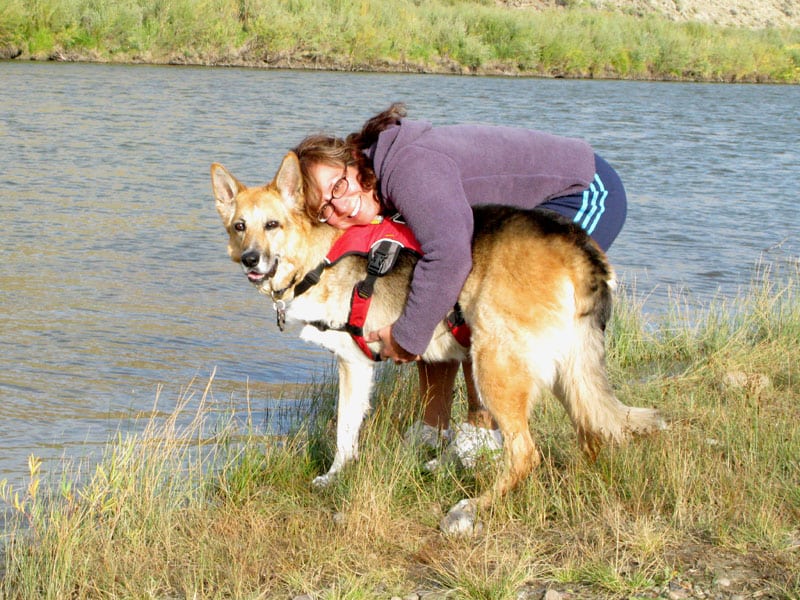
x: 355, y: 387
x: 506, y: 389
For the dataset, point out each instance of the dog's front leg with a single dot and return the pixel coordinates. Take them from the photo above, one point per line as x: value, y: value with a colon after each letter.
x: 355, y: 387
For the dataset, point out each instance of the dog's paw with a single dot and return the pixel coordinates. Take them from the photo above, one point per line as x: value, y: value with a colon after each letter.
x: 323, y: 481
x: 461, y: 520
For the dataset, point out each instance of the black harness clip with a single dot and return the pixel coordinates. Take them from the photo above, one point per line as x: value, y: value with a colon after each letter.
x: 383, y: 256
x: 381, y: 260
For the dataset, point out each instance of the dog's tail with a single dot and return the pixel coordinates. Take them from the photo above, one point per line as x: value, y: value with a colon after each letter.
x: 583, y: 388
x: 582, y: 383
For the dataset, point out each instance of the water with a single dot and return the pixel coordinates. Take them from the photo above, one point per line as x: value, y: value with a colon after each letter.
x: 116, y: 290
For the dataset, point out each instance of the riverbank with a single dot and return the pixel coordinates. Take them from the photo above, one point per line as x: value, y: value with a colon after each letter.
x: 622, y: 39
x: 706, y: 509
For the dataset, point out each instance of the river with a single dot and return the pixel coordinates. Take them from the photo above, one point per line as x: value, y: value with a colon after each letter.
x: 116, y: 288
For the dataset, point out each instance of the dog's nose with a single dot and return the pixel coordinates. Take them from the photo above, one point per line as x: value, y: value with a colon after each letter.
x: 250, y: 258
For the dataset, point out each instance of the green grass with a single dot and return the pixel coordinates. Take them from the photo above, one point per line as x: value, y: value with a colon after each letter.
x: 206, y: 510
x: 435, y: 36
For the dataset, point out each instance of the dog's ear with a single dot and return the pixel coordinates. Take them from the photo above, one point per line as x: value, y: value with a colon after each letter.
x: 225, y: 187
x: 289, y: 181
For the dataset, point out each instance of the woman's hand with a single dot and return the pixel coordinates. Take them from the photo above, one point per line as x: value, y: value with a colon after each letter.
x: 391, y: 350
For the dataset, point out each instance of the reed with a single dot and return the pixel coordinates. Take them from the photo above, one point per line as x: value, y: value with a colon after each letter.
x: 436, y: 36
x: 201, y: 507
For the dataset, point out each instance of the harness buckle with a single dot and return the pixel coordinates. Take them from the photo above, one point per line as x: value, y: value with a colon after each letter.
x: 383, y: 256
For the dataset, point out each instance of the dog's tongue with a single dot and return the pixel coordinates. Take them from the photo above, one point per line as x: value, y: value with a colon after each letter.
x: 253, y: 276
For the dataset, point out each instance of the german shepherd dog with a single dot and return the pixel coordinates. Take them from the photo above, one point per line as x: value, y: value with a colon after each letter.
x: 541, y: 328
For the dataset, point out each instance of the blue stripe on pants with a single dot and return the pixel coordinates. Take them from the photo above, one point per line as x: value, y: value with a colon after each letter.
x: 593, y: 206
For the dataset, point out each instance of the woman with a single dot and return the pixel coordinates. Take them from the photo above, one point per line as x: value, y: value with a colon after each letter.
x: 433, y: 176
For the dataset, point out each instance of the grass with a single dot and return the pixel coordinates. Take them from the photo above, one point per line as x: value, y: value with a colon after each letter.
x: 209, y: 510
x: 461, y: 36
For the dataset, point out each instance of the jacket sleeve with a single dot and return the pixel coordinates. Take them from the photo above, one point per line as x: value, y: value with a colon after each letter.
x: 426, y: 188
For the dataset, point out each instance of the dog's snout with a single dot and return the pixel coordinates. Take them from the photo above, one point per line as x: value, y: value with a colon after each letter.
x: 250, y: 259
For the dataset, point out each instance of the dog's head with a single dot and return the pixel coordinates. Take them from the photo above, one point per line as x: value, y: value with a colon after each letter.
x: 266, y: 226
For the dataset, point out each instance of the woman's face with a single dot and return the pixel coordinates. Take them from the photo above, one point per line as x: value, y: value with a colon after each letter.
x: 343, y: 203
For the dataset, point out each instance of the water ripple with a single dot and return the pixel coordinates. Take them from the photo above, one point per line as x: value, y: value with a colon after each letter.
x: 115, y: 282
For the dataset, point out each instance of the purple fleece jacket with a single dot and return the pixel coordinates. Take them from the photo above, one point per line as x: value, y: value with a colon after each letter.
x: 433, y: 176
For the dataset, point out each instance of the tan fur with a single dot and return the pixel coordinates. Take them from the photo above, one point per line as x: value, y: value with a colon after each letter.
x: 537, y: 301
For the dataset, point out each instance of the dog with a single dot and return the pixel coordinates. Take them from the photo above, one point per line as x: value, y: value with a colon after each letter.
x: 536, y: 301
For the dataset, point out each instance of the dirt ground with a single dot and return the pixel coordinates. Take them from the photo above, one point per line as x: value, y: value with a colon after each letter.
x: 755, y: 14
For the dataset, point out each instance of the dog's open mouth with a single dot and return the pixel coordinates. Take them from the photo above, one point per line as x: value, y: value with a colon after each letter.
x: 256, y: 276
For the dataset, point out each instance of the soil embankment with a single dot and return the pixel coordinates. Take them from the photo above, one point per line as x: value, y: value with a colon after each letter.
x: 752, y: 14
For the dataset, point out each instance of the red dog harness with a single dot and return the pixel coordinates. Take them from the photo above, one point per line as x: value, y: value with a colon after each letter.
x: 381, y: 243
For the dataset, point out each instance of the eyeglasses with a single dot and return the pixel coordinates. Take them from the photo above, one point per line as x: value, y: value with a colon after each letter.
x: 338, y: 190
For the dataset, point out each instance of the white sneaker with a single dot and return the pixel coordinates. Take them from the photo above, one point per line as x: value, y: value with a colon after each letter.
x: 470, y: 442
x: 427, y: 436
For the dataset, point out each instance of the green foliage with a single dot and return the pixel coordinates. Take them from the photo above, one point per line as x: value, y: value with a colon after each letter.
x: 13, y: 18
x: 441, y: 35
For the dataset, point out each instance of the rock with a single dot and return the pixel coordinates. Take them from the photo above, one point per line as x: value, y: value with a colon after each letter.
x: 461, y: 520
x: 9, y: 51
x: 724, y: 582
x: 434, y: 595
x: 677, y: 590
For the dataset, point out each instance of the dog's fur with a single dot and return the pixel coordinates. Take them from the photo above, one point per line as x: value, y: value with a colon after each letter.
x: 537, y: 300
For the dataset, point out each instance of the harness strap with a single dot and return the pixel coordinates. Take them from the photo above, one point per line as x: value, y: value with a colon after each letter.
x: 458, y: 326
x: 356, y: 332
x: 310, y: 280
x: 381, y: 260
x: 359, y: 307
x: 383, y: 243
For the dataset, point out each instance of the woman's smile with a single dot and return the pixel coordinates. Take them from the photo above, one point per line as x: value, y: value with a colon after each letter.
x: 356, y: 207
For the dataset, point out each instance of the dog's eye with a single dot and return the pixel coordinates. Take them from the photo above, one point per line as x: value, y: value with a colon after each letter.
x: 239, y: 226
x: 271, y: 225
